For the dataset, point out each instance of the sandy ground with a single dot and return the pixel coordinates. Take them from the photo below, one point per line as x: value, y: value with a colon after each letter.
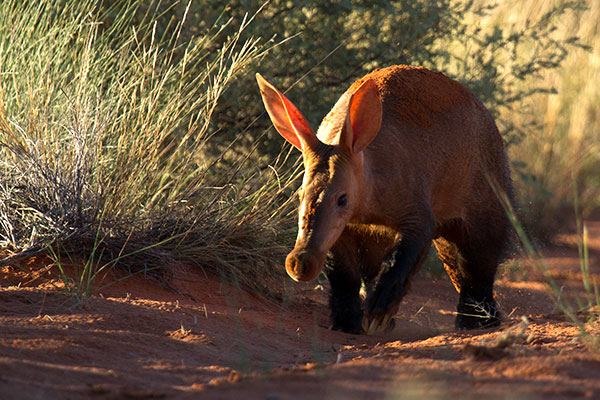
x: 207, y: 339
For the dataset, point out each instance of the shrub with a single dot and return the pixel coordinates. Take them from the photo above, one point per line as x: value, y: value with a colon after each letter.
x: 103, y: 128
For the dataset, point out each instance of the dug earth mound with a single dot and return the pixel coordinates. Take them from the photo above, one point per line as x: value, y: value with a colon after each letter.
x: 205, y: 338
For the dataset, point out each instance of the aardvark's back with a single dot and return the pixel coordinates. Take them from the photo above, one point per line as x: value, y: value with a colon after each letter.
x: 437, y: 139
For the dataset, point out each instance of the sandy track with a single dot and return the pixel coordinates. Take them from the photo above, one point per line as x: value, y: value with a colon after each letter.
x: 212, y: 340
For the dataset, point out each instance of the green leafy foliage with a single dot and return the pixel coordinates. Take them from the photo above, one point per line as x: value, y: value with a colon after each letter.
x: 328, y: 45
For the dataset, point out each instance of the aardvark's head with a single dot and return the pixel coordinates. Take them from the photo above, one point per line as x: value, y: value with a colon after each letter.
x: 333, y: 171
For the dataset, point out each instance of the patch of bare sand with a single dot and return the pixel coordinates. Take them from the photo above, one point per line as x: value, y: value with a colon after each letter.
x: 206, y: 338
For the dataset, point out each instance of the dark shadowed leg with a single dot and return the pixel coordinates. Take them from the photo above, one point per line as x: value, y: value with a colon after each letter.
x: 343, y: 273
x: 471, y: 261
x: 476, y: 306
x: 481, y: 249
x: 382, y: 304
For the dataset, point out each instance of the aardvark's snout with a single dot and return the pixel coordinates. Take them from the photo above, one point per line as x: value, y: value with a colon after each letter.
x: 303, y: 265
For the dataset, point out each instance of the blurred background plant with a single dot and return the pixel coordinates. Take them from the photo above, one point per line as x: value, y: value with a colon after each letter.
x: 559, y: 151
x: 533, y: 63
x: 131, y: 125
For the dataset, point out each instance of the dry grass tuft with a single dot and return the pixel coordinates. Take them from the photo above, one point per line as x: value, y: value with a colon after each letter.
x: 103, y: 130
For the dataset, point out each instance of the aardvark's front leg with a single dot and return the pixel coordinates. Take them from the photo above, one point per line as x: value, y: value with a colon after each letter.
x: 383, y: 302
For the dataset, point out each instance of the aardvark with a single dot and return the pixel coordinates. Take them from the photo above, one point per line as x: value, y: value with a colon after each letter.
x: 406, y: 157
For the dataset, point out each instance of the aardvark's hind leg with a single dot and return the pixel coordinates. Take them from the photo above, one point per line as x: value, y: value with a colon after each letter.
x: 471, y: 263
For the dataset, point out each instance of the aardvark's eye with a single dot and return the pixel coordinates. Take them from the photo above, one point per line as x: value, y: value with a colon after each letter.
x: 342, y: 200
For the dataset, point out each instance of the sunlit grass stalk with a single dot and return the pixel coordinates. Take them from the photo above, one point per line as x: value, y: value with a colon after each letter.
x: 591, y: 288
x: 540, y: 265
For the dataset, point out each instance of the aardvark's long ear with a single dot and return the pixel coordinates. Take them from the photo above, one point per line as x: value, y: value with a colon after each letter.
x: 364, y: 117
x: 288, y: 121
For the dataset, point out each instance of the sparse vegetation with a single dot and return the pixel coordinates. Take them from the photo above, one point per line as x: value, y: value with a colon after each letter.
x: 558, y: 153
x: 580, y: 312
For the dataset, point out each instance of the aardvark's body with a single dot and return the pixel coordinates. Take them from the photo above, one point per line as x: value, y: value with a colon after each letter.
x: 407, y: 156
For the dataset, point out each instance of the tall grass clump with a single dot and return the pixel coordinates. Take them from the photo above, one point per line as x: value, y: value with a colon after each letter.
x: 104, y: 117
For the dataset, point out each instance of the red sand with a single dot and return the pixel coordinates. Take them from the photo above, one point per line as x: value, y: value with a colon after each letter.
x: 211, y: 340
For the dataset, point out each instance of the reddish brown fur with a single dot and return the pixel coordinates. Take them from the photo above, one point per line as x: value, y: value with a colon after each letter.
x: 436, y: 150
x: 416, y: 93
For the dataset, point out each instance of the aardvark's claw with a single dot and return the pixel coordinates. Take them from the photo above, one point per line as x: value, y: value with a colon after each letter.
x: 376, y: 324
x: 365, y: 324
x: 372, y: 327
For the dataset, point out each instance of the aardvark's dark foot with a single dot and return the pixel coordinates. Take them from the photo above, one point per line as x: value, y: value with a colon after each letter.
x: 477, y: 314
x: 350, y: 326
x: 346, y: 315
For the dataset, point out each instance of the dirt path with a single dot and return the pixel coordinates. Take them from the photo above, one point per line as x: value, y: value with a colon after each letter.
x: 137, y: 340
